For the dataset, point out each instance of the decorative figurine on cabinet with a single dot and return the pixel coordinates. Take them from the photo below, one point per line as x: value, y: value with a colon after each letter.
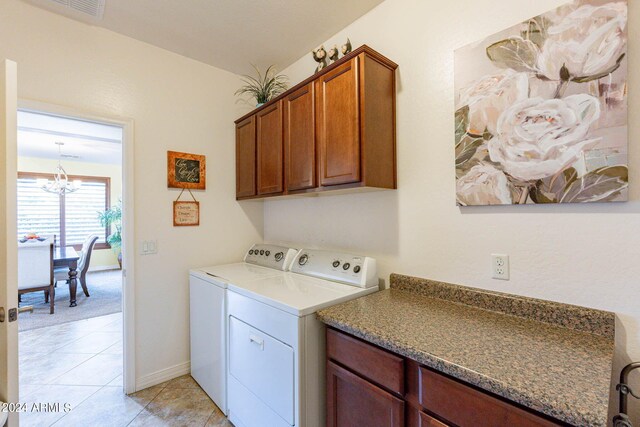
x: 333, y: 54
x: 346, y: 48
x: 320, y: 56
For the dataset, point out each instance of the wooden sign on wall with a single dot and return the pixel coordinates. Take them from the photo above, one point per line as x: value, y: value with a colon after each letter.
x: 186, y: 170
x: 186, y: 213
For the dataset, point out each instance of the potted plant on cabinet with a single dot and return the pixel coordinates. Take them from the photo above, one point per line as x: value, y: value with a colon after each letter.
x: 265, y: 87
x: 113, y: 216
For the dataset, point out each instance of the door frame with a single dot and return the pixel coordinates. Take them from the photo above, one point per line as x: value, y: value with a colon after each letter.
x: 128, y: 221
x: 8, y: 252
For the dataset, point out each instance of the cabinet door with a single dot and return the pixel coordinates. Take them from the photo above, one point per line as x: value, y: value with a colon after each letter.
x: 246, y: 158
x: 354, y: 402
x: 270, y: 153
x: 300, y: 139
x: 338, y: 112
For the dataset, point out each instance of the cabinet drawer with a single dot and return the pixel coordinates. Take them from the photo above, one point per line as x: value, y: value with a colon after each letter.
x: 373, y: 363
x: 428, y: 421
x: 464, y: 406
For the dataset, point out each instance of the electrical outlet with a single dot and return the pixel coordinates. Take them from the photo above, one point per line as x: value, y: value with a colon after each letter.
x: 500, y: 266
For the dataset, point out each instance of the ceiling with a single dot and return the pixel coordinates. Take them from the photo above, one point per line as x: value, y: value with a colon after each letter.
x: 229, y: 34
x: 83, y: 141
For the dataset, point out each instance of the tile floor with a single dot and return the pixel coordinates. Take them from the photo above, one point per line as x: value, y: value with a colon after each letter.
x: 80, y: 363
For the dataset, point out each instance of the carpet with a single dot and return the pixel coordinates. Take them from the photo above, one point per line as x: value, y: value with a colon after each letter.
x: 105, y: 288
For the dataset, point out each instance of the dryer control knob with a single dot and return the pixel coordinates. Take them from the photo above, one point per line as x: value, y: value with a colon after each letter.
x: 279, y: 256
x: 303, y: 259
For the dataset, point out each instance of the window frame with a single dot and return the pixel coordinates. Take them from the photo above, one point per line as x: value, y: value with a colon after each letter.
x: 63, y: 219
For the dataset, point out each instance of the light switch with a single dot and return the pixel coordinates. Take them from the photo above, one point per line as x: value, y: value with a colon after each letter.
x: 149, y: 247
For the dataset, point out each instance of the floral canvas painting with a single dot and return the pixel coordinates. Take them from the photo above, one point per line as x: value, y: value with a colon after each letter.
x: 541, y: 110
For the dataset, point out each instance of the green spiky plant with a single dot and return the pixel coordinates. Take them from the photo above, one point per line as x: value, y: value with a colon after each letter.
x: 265, y: 87
x: 113, y: 216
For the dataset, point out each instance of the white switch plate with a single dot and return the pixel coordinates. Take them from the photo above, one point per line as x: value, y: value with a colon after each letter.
x: 149, y: 247
x: 500, y: 266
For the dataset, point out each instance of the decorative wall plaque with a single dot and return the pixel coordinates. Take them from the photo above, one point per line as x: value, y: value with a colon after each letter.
x: 186, y: 170
x: 186, y: 213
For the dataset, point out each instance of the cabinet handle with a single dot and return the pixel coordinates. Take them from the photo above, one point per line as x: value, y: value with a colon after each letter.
x: 257, y: 340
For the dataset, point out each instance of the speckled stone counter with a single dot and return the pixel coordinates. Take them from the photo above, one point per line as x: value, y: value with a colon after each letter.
x: 553, y: 358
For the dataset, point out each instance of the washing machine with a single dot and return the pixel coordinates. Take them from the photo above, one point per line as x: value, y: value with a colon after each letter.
x: 208, y: 312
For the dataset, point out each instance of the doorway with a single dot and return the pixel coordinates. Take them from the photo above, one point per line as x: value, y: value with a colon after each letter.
x: 72, y: 174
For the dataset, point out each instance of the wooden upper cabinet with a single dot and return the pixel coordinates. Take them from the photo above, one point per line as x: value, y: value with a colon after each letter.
x: 300, y: 139
x: 270, y: 150
x: 246, y: 158
x: 338, y: 114
x: 334, y: 130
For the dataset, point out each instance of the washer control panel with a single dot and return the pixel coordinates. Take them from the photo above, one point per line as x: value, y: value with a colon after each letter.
x: 337, y: 266
x: 272, y: 256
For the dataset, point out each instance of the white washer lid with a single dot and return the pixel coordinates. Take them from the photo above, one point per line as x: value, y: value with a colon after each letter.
x: 298, y: 294
x: 231, y: 273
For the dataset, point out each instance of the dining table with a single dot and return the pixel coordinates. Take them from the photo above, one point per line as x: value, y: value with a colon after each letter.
x: 67, y: 256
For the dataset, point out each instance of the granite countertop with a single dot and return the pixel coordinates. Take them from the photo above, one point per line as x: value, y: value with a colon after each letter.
x: 553, y: 358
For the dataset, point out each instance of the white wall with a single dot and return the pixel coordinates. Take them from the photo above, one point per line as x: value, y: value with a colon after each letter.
x: 177, y: 104
x: 580, y: 254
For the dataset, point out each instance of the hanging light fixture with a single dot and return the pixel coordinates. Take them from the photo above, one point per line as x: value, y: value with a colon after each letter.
x: 60, y: 183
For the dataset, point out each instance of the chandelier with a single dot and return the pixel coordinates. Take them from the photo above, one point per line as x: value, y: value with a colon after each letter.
x: 60, y: 183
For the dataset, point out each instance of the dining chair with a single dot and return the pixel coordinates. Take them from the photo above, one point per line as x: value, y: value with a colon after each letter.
x: 62, y: 273
x: 35, y: 271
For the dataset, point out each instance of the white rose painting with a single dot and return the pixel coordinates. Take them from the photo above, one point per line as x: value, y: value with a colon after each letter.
x: 541, y: 110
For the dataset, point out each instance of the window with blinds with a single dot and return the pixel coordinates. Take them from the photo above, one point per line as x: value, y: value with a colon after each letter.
x: 38, y: 211
x: 72, y: 216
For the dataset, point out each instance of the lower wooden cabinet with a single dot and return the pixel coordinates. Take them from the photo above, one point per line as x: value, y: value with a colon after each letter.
x: 355, y: 402
x: 426, y: 420
x: 445, y: 396
x: 362, y: 390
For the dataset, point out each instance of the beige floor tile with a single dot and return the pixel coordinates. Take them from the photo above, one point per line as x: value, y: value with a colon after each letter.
x: 95, y: 342
x: 185, y: 381
x: 118, y: 382
x: 91, y: 325
x: 26, y: 357
x: 176, y: 407
x: 46, y: 369
x: 96, y: 323
x: 115, y: 349
x: 26, y: 389
x: 99, y: 370
x: 109, y: 407
x: 47, y: 341
x: 163, y: 384
x: 217, y: 419
x: 52, y: 394
x: 116, y: 326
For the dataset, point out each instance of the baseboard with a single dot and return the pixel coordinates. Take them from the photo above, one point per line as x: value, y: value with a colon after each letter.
x: 163, y: 375
x: 104, y: 268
